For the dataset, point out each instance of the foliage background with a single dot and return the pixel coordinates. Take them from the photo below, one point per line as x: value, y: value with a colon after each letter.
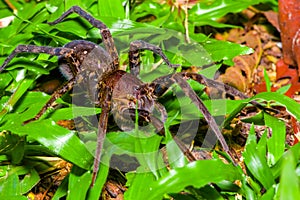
x: 269, y: 169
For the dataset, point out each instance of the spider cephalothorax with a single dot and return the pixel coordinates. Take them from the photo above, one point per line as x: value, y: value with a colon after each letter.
x: 125, y: 96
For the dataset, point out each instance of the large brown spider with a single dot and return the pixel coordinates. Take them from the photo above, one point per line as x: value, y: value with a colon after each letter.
x: 114, y: 90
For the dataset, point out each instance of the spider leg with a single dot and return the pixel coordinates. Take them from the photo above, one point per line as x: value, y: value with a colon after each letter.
x: 160, y: 126
x: 134, y: 56
x: 161, y: 84
x: 104, y: 31
x: 58, y: 93
x: 55, y: 51
x: 188, y: 91
x: 226, y: 88
x: 102, y: 128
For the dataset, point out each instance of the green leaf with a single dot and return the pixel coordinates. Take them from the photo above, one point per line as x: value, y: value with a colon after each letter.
x: 284, y: 89
x: 138, y: 184
x: 226, y: 51
x: 61, y: 191
x: 289, y: 187
x: 79, y: 177
x: 256, y: 162
x: 257, y: 119
x: 213, y: 10
x: 147, y: 151
x: 111, y: 8
x: 57, y: 139
x: 267, y: 80
x: 197, y: 174
x: 13, y: 146
x: 29, y: 181
x: 94, y: 192
x: 14, y: 98
x: 269, y: 195
x: 291, y: 105
x: 73, y: 112
x: 9, y: 185
x: 5, y: 79
x: 276, y: 143
x: 176, y: 157
x: 277, y: 168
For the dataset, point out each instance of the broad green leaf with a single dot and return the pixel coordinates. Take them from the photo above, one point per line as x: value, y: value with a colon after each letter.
x: 79, y: 177
x: 257, y: 119
x: 126, y: 142
x: 22, y: 88
x: 13, y: 146
x: 143, y: 146
x: 29, y: 181
x: 256, y: 163
x: 156, y: 9
x: 147, y: 151
x: 76, y: 26
x: 94, y: 192
x: 57, y: 139
x: 213, y: 10
x: 176, y: 157
x: 9, y: 185
x: 289, y: 187
x: 5, y: 79
x: 291, y: 105
x: 277, y: 168
x: 226, y: 51
x: 73, y: 112
x: 206, y: 192
x: 197, y: 174
x: 262, y: 144
x: 138, y: 184
x: 276, y: 143
x: 269, y: 195
x: 214, y: 24
x: 284, y: 89
x: 111, y: 8
x: 61, y: 190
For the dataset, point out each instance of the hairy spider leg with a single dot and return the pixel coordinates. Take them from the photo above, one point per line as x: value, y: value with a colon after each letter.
x: 58, y: 93
x: 186, y: 151
x: 104, y: 31
x: 134, y: 56
x: 161, y: 84
x: 102, y: 128
x: 55, y: 51
x: 188, y: 91
x: 226, y: 88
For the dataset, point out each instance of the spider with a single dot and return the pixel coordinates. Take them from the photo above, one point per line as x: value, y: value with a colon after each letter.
x: 117, y: 91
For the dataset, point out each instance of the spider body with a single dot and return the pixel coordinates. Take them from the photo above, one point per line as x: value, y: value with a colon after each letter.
x: 92, y: 68
x: 96, y: 69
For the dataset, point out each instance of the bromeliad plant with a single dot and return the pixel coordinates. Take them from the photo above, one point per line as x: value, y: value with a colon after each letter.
x: 21, y: 147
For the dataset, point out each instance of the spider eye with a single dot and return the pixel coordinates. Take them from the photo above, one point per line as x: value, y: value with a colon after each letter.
x: 136, y: 88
